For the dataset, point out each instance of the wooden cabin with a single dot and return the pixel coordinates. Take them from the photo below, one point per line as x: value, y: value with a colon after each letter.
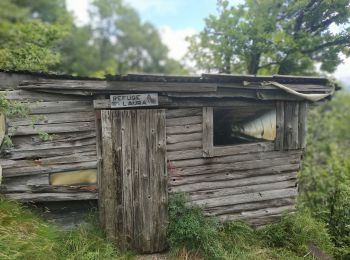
x: 233, y: 143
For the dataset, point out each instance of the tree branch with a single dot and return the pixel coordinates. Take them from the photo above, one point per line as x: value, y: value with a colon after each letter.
x: 269, y: 64
x: 340, y: 41
x: 300, y: 17
x: 324, y: 24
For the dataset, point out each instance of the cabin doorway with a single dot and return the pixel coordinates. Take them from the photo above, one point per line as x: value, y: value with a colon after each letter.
x: 132, y: 181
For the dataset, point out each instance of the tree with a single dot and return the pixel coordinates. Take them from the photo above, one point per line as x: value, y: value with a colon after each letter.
x: 122, y: 43
x: 26, y: 43
x: 115, y: 41
x: 274, y: 36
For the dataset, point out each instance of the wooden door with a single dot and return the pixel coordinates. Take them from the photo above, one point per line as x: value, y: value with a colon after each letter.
x: 133, y: 185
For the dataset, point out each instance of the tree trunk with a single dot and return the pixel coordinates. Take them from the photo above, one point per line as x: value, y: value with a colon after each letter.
x: 253, y: 65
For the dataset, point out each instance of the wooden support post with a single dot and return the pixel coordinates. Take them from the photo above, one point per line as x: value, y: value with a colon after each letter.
x: 279, y: 142
x: 133, y: 179
x: 303, y: 109
x: 208, y: 132
x: 291, y: 126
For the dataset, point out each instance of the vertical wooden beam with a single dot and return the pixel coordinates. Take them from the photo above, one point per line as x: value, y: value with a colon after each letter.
x: 106, y: 195
x: 208, y: 132
x: 303, y: 109
x: 279, y: 142
x: 291, y: 126
x: 99, y: 160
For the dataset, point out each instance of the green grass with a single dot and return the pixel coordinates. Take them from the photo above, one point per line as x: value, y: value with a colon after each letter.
x: 190, y: 234
x: 25, y: 236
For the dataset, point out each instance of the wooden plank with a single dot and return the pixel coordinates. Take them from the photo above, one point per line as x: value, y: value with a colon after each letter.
x: 74, y: 158
x: 178, y: 121
x: 242, y: 93
x: 229, y: 209
x: 45, y: 153
x: 115, y: 86
x: 237, y: 166
x: 174, y: 139
x: 230, y: 159
x: 291, y: 139
x: 106, y: 201
x: 59, y: 107
x: 38, y: 169
x: 231, y: 175
x: 184, y: 146
x: 218, y: 193
x: 42, y: 197
x: 35, y: 96
x: 279, y: 141
x: 195, y: 102
x: 183, y: 112
x: 257, y: 214
x: 52, y: 128
x: 22, y: 148
x: 52, y: 119
x: 247, y: 198
x: 220, y: 151
x: 243, y: 148
x: 208, y: 132
x: 184, y: 129
x: 233, y: 183
x: 185, y: 154
x: 62, y: 189
x: 99, y: 165
x: 303, y: 109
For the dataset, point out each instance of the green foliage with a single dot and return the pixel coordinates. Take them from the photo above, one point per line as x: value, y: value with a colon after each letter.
x: 26, y: 43
x: 190, y: 234
x: 12, y: 108
x: 41, y: 35
x: 190, y: 229
x: 296, y: 232
x: 325, y: 175
x: 25, y: 236
x: 273, y: 36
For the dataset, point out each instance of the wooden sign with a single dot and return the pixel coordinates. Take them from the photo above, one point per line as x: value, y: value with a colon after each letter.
x: 134, y: 100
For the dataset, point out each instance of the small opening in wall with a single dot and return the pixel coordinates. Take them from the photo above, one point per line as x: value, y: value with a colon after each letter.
x: 244, y: 124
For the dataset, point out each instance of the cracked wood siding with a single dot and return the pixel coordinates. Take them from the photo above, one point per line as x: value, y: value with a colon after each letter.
x: 251, y: 182
x: 27, y: 166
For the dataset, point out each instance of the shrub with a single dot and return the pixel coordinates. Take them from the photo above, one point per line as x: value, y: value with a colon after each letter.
x: 297, y: 232
x: 189, y: 229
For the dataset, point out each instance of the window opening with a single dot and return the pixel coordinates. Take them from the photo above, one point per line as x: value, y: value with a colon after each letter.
x: 244, y: 125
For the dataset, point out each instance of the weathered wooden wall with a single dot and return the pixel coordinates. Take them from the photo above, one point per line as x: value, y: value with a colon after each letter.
x: 252, y: 182
x: 70, y: 121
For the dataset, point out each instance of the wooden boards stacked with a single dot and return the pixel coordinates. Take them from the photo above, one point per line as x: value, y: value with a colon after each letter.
x: 251, y: 182
x: 58, y: 136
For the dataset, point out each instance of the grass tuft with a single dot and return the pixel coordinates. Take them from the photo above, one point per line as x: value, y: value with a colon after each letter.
x: 193, y: 236
x: 23, y: 235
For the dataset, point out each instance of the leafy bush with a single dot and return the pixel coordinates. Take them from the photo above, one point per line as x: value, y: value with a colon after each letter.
x: 190, y: 229
x: 191, y: 234
x: 297, y: 232
x: 325, y: 176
